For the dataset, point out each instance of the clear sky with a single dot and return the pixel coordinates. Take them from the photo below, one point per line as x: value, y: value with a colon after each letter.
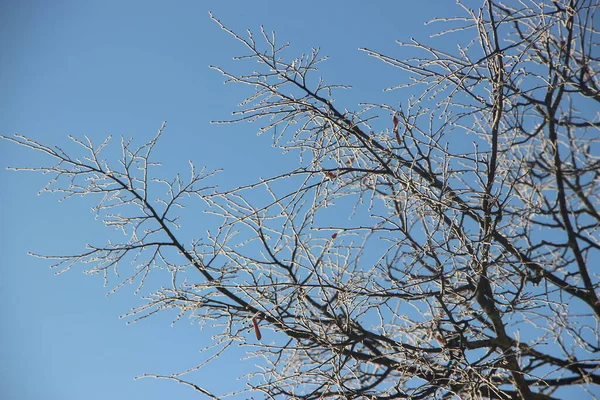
x: 122, y: 67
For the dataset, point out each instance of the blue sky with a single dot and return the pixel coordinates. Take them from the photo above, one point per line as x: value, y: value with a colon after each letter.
x: 121, y: 68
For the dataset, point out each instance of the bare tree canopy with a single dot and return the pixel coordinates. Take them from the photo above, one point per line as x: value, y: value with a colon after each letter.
x: 443, y: 247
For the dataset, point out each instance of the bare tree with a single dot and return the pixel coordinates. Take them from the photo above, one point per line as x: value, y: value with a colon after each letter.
x: 443, y: 248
